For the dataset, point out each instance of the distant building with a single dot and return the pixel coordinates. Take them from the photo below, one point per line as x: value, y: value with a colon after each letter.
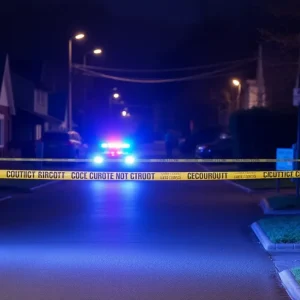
x: 250, y: 95
x: 7, y: 105
x: 32, y: 117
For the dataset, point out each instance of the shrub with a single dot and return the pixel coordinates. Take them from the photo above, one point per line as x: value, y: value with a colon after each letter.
x: 258, y: 132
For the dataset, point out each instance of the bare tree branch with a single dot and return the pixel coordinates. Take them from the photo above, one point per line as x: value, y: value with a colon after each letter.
x: 286, y: 8
x: 285, y: 40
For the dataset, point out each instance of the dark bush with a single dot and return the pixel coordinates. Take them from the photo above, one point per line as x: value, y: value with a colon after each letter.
x: 26, y: 148
x: 258, y: 132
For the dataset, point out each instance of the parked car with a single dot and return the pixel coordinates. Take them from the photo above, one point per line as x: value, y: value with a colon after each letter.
x: 221, y: 148
x: 200, y: 137
x: 64, y: 145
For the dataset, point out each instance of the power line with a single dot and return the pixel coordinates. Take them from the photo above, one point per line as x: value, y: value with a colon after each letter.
x: 122, y: 79
x: 194, y: 68
x: 210, y: 74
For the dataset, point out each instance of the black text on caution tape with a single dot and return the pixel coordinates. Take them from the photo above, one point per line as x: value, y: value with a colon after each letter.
x: 111, y: 176
x: 207, y: 176
x: 15, y: 174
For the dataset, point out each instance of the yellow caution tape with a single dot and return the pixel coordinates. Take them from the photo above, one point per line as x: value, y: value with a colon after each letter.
x: 144, y: 176
x: 183, y: 160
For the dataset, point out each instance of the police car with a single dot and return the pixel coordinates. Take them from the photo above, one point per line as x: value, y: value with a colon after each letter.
x: 115, y: 150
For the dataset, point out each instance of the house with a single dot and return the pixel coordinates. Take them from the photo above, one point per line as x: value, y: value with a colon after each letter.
x: 32, y: 118
x: 250, y: 96
x: 58, y: 109
x: 7, y: 107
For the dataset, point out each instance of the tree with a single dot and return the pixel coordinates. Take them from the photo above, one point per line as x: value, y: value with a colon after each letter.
x: 285, y: 15
x: 281, y: 45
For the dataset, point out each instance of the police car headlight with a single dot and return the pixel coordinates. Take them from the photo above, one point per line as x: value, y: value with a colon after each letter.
x: 129, y: 160
x: 98, y: 159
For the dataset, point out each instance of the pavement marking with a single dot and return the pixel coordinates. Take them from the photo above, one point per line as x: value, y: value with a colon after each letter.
x: 42, y: 185
x: 239, y: 186
x: 5, y: 198
x: 9, y: 197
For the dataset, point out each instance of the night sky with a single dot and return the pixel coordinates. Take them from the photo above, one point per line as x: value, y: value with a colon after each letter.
x: 133, y: 34
x: 39, y: 28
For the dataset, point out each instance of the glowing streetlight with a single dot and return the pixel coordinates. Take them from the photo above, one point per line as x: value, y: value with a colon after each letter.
x: 116, y: 95
x: 236, y: 82
x: 79, y: 36
x: 97, y: 51
x: 124, y: 113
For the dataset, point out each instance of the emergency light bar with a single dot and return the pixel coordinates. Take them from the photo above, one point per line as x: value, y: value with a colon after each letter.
x: 115, y: 146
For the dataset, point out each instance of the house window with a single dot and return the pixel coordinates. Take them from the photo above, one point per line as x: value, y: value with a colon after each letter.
x: 2, y: 131
x: 38, y: 132
x: 40, y: 98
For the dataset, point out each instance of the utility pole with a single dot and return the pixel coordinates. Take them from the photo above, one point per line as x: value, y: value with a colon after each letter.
x: 84, y: 81
x: 238, y: 97
x: 260, y: 78
x: 110, y: 106
x: 298, y: 126
x: 69, y: 125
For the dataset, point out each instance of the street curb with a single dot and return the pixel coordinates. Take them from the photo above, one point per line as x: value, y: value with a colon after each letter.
x: 290, y: 284
x: 270, y: 246
x: 239, y: 186
x: 5, y: 198
x: 42, y: 185
x: 267, y: 210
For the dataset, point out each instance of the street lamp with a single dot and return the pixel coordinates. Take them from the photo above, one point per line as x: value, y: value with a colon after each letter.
x: 96, y: 51
x: 124, y: 113
x: 114, y: 99
x: 78, y: 36
x: 116, y: 95
x: 237, y: 84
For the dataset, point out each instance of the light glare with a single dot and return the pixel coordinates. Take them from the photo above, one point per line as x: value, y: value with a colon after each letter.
x: 236, y: 82
x: 97, y: 51
x: 129, y: 160
x: 79, y: 36
x: 98, y: 160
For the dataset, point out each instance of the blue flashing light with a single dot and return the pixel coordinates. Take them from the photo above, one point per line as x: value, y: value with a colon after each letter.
x: 98, y: 160
x: 104, y: 145
x: 129, y: 160
x: 126, y: 146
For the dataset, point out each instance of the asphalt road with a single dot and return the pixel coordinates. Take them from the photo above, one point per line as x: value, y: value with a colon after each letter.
x: 134, y: 240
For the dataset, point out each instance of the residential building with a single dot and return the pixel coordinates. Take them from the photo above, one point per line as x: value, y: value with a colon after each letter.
x: 250, y: 96
x: 57, y: 108
x: 7, y: 107
x: 32, y: 117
